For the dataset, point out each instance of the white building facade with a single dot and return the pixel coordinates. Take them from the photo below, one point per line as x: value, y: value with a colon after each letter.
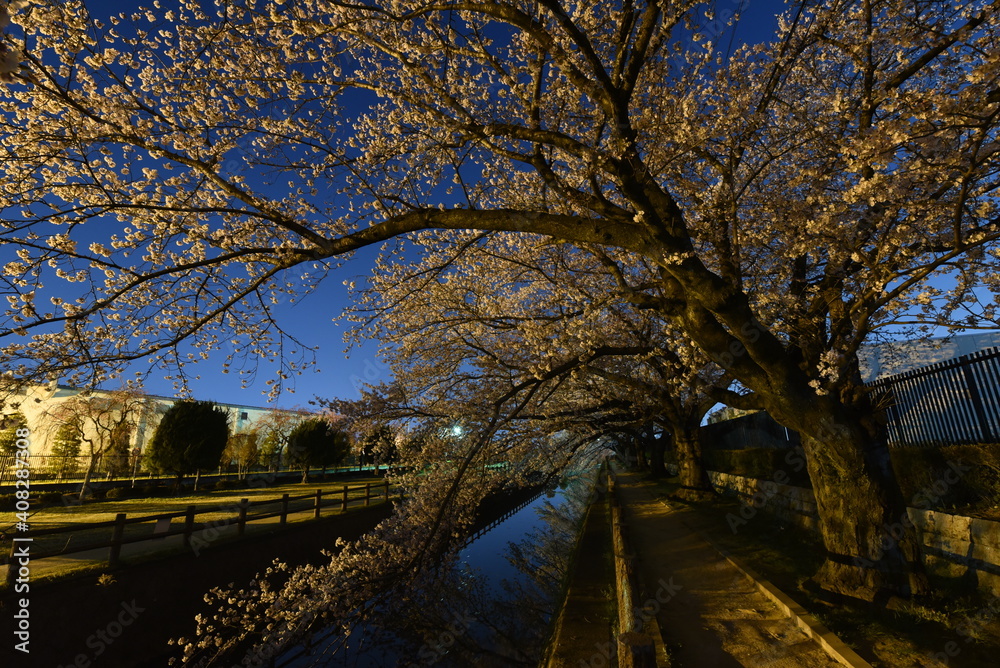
x: 45, y: 407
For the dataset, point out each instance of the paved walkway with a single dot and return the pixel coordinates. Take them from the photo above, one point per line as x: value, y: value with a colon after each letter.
x: 716, y: 617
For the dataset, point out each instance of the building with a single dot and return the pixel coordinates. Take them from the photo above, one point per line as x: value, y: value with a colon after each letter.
x: 131, y: 415
x: 895, y: 357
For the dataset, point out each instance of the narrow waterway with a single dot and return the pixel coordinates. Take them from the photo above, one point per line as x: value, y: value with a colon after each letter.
x: 491, y: 608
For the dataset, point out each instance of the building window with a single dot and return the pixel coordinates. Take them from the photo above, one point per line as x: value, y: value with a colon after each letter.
x: 244, y: 416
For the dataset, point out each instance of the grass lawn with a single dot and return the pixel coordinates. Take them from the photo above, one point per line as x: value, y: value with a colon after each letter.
x: 910, y: 636
x: 213, y: 506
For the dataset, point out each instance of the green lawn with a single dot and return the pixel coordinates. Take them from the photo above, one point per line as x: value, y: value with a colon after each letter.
x: 213, y: 506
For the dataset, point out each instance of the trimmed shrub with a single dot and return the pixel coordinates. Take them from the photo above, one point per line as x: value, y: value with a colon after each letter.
x: 51, y: 498
x: 189, y: 438
x: 117, y: 493
x: 150, y: 491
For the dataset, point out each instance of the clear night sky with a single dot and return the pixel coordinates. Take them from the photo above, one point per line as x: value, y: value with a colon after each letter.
x: 311, y: 319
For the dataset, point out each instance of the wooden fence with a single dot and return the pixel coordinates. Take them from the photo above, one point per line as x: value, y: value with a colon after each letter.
x: 162, y: 526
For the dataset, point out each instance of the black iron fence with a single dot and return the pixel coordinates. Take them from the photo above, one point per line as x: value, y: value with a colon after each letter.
x: 953, y: 402
x: 947, y: 403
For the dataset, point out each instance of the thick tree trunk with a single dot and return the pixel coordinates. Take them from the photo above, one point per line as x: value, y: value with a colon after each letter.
x: 873, y: 552
x: 640, y: 453
x: 657, y: 447
x: 197, y: 478
x: 305, y: 475
x: 693, y: 477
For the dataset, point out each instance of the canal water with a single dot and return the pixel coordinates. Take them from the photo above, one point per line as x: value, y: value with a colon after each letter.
x: 492, y: 608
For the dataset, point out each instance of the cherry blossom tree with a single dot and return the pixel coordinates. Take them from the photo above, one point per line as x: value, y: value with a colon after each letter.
x: 104, y: 422
x: 548, y: 316
x: 273, y: 429
x: 243, y: 450
x: 169, y: 176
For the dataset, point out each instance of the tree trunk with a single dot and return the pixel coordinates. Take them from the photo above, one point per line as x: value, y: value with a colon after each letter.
x: 305, y: 475
x: 197, y: 477
x: 657, y: 446
x: 873, y: 552
x: 695, y: 484
x: 86, y: 478
x: 638, y: 460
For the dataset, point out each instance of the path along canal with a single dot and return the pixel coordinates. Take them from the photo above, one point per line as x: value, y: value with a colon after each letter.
x: 491, y: 607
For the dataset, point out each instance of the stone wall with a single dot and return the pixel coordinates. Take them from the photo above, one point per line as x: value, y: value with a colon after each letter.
x: 954, y: 545
x: 959, y: 546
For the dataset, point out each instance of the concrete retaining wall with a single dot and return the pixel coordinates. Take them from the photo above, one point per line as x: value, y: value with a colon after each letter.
x: 954, y: 545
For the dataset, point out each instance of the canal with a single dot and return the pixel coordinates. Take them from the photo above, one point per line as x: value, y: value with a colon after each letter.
x: 490, y: 606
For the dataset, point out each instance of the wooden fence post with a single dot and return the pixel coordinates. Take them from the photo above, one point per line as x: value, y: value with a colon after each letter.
x: 284, y: 508
x: 319, y: 503
x: 368, y: 493
x: 241, y: 523
x: 116, y: 540
x: 188, y: 525
x: 12, y: 563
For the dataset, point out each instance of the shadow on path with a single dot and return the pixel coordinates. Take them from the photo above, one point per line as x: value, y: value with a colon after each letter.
x: 717, y: 617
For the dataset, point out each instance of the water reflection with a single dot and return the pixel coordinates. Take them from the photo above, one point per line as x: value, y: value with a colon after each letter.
x: 489, y: 605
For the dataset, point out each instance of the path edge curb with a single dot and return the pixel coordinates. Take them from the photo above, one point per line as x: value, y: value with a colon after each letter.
x: 812, y: 627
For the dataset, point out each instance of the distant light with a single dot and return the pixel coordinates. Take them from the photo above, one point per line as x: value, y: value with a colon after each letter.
x: 456, y: 430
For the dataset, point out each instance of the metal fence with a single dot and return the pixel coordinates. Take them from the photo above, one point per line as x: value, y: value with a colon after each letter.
x: 110, y: 467
x: 947, y: 403
x: 953, y: 402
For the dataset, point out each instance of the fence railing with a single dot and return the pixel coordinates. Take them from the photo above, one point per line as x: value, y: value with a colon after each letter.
x: 71, y: 469
x: 947, y: 403
x: 126, y: 531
